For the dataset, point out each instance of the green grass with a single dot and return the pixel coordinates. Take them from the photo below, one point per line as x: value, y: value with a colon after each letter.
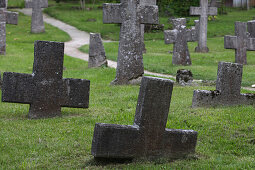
x: 16, y: 3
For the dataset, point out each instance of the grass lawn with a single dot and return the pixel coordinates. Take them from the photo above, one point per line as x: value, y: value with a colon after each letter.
x: 226, y: 134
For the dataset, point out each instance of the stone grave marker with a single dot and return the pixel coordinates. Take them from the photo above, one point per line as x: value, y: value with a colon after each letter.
x: 184, y: 77
x: 130, y: 14
x: 37, y: 24
x: 203, y: 11
x: 228, y: 86
x: 240, y: 42
x: 45, y: 89
x: 43, y: 3
x: 251, y: 28
x: 180, y: 35
x: 147, y: 137
x: 97, y: 56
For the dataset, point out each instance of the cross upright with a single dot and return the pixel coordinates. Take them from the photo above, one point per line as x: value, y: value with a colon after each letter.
x: 228, y: 88
x: 130, y: 14
x: 180, y: 35
x: 240, y: 42
x: 45, y: 89
x: 203, y: 11
x: 37, y: 24
x: 148, y: 137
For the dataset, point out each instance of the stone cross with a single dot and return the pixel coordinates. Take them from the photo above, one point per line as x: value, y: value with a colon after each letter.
x: 148, y: 137
x: 180, y: 36
x: 203, y: 11
x: 45, y: 89
x: 240, y: 42
x: 37, y: 24
x: 130, y: 15
x: 228, y: 87
x: 97, y: 56
x: 145, y: 2
x: 29, y: 3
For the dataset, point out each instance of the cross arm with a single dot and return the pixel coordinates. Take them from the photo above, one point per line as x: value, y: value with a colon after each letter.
x: 192, y: 34
x: 149, y: 14
x: 212, y: 11
x: 111, y: 13
x: 75, y: 93
x: 251, y: 44
x: 12, y: 17
x: 230, y: 42
x: 195, y: 10
x: 17, y: 88
x: 114, y: 141
x: 170, y: 36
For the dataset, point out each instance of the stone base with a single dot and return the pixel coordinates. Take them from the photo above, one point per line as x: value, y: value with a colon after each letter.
x: 202, y: 50
x: 136, y: 81
x: 205, y: 98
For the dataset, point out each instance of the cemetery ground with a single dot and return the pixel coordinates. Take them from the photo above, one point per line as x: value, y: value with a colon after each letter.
x: 226, y: 138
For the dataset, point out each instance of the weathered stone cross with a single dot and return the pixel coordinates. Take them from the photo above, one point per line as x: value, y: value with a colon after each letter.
x: 228, y: 87
x: 240, y: 42
x: 6, y: 17
x: 44, y: 89
x: 203, y: 11
x: 131, y: 15
x: 180, y: 36
x: 148, y: 136
x: 37, y: 24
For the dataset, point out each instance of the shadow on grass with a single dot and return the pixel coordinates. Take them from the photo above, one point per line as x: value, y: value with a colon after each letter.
x: 107, y: 161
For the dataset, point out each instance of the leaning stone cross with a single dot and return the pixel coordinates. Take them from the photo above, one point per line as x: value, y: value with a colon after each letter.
x: 203, y: 11
x: 130, y: 15
x: 45, y: 89
x: 148, y: 137
x: 240, y: 42
x: 6, y: 17
x: 228, y: 87
x: 180, y: 35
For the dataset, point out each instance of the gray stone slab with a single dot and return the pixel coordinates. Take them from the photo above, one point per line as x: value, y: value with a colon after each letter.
x: 241, y: 42
x: 44, y: 89
x: 131, y: 15
x: 29, y: 3
x: 37, y: 24
x: 3, y: 4
x: 179, y: 37
x: 203, y: 11
x: 147, y: 138
x: 251, y: 28
x: 97, y: 56
x: 228, y: 86
x: 2, y: 31
x: 12, y: 17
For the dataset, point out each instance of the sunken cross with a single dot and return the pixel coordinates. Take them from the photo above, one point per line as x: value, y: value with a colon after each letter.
x: 203, y: 11
x: 6, y: 17
x: 45, y: 89
x: 240, y: 42
x: 180, y: 35
x: 130, y: 14
x: 148, y: 137
x: 228, y: 87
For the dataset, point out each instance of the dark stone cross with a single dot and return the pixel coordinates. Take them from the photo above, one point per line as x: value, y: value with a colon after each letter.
x: 203, y: 11
x: 240, y: 42
x: 130, y: 15
x: 45, y: 89
x: 228, y: 87
x: 148, y: 137
x: 180, y: 36
x: 251, y: 28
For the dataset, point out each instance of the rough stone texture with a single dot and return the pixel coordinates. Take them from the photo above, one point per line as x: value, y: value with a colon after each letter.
x: 12, y: 17
x: 180, y: 35
x: 228, y: 86
x: 2, y: 31
x: 3, y: 4
x: 203, y: 11
x: 251, y: 28
x: 37, y: 24
x: 184, y: 77
x: 29, y: 3
x: 131, y: 15
x: 44, y: 89
x: 97, y: 56
x: 147, y: 138
x: 145, y: 2
x: 240, y: 42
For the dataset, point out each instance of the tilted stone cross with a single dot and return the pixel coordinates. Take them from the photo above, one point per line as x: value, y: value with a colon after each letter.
x: 240, y: 42
x: 45, y: 89
x: 203, y: 11
x: 228, y: 87
x: 130, y: 15
x: 37, y: 24
x: 180, y: 36
x: 148, y: 137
